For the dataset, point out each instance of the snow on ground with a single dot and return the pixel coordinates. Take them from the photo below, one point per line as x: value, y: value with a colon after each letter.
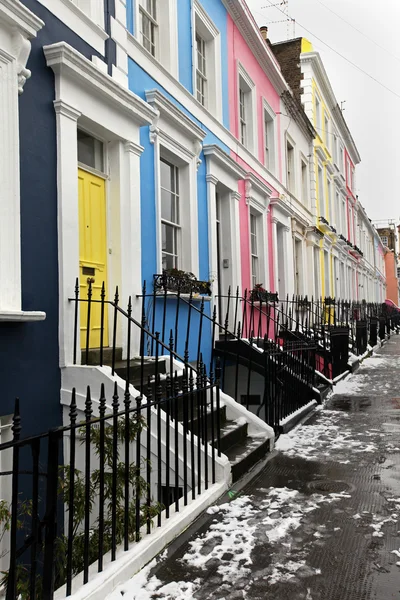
x: 228, y: 545
x: 327, y: 438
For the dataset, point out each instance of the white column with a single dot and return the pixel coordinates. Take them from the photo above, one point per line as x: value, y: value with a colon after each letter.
x: 68, y: 226
x: 265, y: 250
x: 17, y: 23
x: 212, y: 229
x: 131, y: 242
x: 275, y: 251
x: 131, y: 239
x: 289, y: 267
x: 235, y: 241
x: 10, y: 254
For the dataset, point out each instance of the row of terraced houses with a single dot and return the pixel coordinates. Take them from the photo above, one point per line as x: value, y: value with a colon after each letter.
x: 162, y: 141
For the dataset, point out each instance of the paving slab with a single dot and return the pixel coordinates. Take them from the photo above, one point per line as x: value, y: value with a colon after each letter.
x: 320, y: 522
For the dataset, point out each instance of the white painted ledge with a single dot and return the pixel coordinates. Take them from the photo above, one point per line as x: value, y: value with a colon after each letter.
x: 22, y: 315
x: 129, y: 563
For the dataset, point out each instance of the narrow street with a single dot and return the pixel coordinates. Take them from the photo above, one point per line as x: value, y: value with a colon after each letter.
x: 321, y: 521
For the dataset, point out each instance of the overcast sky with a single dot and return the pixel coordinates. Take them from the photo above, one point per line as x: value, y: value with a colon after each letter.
x: 372, y: 112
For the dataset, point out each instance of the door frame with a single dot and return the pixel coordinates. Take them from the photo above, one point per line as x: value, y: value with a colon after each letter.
x: 83, y: 93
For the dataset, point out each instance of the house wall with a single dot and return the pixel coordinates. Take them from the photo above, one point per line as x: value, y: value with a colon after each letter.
x: 392, y: 292
x: 29, y: 352
x: 264, y: 90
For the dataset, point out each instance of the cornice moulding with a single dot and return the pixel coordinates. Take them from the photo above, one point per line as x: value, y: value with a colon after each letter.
x: 84, y: 17
x: 258, y: 185
x: 15, y: 14
x: 169, y: 110
x: 150, y: 64
x: 66, y: 61
x: 321, y: 75
x: 256, y: 43
x: 214, y: 152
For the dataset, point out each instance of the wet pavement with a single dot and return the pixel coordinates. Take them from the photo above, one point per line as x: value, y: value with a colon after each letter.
x: 320, y: 522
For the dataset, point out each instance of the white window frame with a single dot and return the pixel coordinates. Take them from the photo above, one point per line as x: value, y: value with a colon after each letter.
x: 304, y: 173
x: 343, y: 208
x: 341, y: 158
x: 203, y: 26
x: 254, y: 251
x: 318, y: 112
x: 290, y: 165
x: 167, y: 22
x: 384, y: 240
x: 269, y: 124
x: 337, y: 222
x: 176, y: 224
x: 247, y: 86
x: 201, y: 70
x: 260, y: 222
x: 178, y: 139
x: 321, y: 190
x: 94, y: 9
x: 331, y: 207
x: 327, y: 131
x: 335, y: 147
x: 153, y: 23
x: 258, y: 198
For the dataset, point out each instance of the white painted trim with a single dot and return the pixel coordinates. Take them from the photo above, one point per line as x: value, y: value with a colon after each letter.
x: 252, y: 126
x: 275, y: 159
x: 157, y: 72
x: 22, y: 315
x: 314, y: 60
x: 79, y: 22
x: 68, y: 62
x: 140, y: 553
x: 260, y: 213
x: 171, y: 112
x: 17, y: 26
x: 244, y: 20
x: 213, y: 59
x: 17, y: 15
x: 218, y: 156
x: 188, y: 251
x: 115, y: 115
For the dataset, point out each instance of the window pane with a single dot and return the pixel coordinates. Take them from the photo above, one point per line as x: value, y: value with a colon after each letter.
x: 90, y: 151
x: 168, y: 239
x: 169, y: 262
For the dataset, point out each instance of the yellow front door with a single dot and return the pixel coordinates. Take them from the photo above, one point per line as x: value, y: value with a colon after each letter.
x: 92, y: 255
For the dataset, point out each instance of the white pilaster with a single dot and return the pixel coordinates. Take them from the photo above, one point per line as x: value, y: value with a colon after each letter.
x: 68, y: 225
x: 235, y: 241
x: 275, y: 251
x: 289, y: 266
x: 17, y: 26
x: 212, y: 231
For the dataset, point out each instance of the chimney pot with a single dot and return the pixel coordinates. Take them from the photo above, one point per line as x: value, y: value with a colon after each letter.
x: 264, y: 32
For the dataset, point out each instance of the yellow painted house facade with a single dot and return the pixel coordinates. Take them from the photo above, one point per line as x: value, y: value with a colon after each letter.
x: 333, y: 143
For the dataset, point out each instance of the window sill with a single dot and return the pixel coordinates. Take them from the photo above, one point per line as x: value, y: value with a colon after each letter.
x: 78, y: 21
x: 21, y: 315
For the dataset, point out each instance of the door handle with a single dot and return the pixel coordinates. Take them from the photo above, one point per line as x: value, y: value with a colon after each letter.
x: 90, y: 279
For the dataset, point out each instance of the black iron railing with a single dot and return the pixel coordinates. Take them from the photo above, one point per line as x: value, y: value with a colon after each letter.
x: 113, y: 492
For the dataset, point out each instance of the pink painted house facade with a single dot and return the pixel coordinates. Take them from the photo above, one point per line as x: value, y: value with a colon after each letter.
x: 276, y: 196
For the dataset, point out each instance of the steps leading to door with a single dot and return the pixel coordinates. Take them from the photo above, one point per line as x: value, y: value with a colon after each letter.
x: 242, y: 450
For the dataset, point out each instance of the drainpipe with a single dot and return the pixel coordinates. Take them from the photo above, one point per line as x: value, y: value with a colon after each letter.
x: 110, y: 46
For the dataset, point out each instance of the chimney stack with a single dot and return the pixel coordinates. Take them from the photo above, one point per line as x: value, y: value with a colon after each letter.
x: 264, y: 32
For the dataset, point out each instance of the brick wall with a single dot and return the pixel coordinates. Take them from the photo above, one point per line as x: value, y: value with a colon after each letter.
x: 288, y: 56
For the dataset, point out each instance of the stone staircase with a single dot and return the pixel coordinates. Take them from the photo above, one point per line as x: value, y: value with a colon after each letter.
x: 242, y: 450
